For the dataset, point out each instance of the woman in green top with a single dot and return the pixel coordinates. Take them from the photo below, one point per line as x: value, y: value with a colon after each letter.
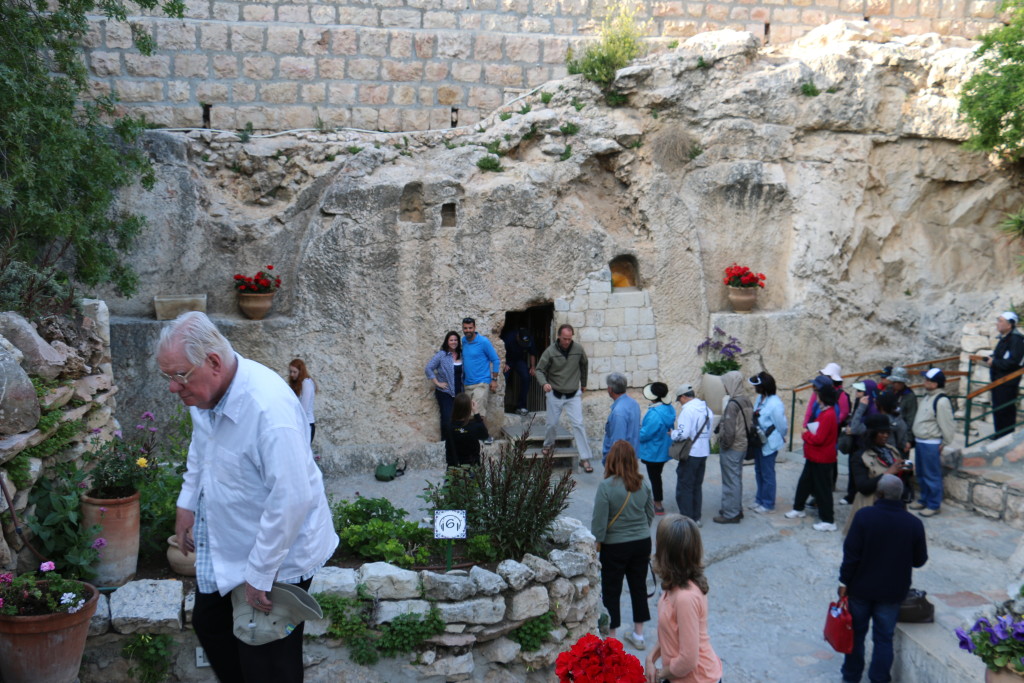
x: 623, y: 512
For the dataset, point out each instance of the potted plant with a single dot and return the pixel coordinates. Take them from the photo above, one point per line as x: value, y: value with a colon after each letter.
x: 44, y: 621
x: 743, y: 285
x: 592, y: 660
x: 116, y: 471
x: 256, y: 293
x: 720, y: 356
x: 998, y: 643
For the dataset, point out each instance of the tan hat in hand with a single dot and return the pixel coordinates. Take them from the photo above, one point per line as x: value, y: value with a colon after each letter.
x: 291, y: 607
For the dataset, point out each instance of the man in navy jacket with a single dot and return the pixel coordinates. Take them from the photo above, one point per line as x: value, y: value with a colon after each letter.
x: 883, y: 547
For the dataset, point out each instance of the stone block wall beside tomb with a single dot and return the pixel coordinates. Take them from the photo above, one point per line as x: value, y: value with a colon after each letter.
x: 76, y: 372
x: 411, y: 65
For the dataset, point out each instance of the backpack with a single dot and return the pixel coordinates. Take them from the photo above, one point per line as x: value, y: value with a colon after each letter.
x: 952, y: 404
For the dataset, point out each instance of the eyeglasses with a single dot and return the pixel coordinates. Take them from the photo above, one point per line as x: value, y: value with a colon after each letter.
x: 180, y: 378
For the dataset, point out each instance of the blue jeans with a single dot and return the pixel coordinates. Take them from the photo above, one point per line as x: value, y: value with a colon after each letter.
x: 928, y: 467
x: 883, y: 617
x: 764, y: 475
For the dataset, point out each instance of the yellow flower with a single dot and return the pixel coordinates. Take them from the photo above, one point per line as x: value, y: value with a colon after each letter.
x: 142, y: 462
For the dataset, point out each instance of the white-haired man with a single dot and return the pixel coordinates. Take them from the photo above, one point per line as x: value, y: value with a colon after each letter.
x: 252, y: 498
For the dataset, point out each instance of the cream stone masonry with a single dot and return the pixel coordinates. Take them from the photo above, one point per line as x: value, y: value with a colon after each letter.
x: 876, y: 229
x: 458, y: 59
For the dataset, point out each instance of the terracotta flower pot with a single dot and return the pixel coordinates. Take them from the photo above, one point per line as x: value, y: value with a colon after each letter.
x: 743, y: 299
x: 1003, y: 676
x: 255, y: 306
x: 47, y: 647
x: 119, y: 522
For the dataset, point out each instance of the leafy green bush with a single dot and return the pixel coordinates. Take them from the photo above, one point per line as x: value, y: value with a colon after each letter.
x: 61, y: 163
x: 150, y: 656
x: 375, y: 529
x: 809, y: 89
x: 569, y: 128
x: 350, y: 622
x: 532, y: 633
x: 545, y: 97
x: 619, y: 42
x: 992, y: 100
x: 158, y: 499
x: 489, y: 163
x: 513, y: 498
x: 57, y: 522
x: 505, y: 115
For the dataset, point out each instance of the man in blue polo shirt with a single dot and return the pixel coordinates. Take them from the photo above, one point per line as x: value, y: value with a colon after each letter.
x: 624, y: 419
x: 479, y: 379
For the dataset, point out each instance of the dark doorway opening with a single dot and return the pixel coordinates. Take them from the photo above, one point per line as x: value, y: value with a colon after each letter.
x: 535, y: 322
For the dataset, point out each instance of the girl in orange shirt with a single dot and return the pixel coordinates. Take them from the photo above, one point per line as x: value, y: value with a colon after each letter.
x: 683, y: 644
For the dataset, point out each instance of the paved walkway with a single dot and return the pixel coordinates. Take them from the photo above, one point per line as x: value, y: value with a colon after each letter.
x: 772, y: 578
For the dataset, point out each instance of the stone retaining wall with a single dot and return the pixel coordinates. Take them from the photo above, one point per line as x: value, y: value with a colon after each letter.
x: 85, y: 392
x: 416, y: 64
x: 480, y: 608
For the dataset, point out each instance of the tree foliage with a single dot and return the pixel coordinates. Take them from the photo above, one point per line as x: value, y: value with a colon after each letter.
x: 992, y: 101
x: 64, y: 155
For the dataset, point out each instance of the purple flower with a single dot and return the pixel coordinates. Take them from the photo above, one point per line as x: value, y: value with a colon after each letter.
x: 140, y: 426
x: 82, y: 485
x: 99, y: 543
x: 96, y: 431
x: 719, y: 331
x: 152, y: 429
x: 6, y: 578
x: 982, y: 625
x: 103, y: 510
x: 47, y: 567
x: 965, y: 640
x: 1018, y: 630
x: 117, y: 433
x: 1003, y: 628
x: 147, y: 416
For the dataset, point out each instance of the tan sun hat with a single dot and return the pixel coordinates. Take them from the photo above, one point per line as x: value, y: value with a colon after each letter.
x: 292, y: 606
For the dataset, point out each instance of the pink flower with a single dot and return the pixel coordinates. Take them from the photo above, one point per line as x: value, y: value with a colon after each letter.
x: 148, y: 416
x: 140, y: 426
x: 99, y: 543
x: 117, y: 433
x: 103, y: 510
x: 152, y: 429
x: 47, y: 567
x: 6, y: 578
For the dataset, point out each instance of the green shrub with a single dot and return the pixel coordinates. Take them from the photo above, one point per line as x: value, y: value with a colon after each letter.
x: 992, y: 100
x: 615, y: 99
x: 57, y: 522
x: 374, y: 529
x: 494, y: 147
x: 569, y: 128
x: 619, y: 43
x: 350, y: 622
x: 525, y: 109
x: 809, y: 89
x: 150, y: 656
x: 577, y: 105
x: 673, y: 44
x: 532, y: 633
x: 513, y: 498
x: 545, y: 97
x: 532, y: 133
x: 489, y: 163
x: 566, y: 153
x: 505, y: 115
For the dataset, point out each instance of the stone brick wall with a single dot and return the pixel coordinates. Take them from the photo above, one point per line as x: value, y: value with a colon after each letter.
x: 420, y: 64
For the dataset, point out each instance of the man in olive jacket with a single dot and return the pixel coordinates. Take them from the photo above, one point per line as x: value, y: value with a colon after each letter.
x: 562, y: 372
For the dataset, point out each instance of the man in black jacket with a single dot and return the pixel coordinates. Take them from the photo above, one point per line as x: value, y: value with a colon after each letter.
x: 883, y: 547
x: 1007, y: 357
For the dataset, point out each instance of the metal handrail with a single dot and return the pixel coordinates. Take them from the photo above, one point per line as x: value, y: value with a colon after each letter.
x: 952, y: 376
x: 971, y: 395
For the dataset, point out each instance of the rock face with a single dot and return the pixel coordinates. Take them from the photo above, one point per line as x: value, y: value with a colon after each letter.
x: 833, y: 165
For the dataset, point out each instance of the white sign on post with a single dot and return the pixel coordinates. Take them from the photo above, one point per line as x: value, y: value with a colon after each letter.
x: 450, y: 524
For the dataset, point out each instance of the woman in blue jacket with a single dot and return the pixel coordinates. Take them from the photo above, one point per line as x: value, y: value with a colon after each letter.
x: 655, y: 439
x: 444, y: 369
x: 770, y: 414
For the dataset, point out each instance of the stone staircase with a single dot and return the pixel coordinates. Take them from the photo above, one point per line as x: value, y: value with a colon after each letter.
x: 988, y: 479
x: 565, y: 455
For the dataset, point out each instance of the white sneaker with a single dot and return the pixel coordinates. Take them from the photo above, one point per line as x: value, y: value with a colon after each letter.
x: 635, y: 640
x: 824, y: 526
x: 761, y: 509
x: 795, y: 514
x: 754, y: 506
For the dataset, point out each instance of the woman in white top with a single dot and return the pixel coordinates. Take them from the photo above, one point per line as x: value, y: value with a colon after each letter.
x: 305, y: 388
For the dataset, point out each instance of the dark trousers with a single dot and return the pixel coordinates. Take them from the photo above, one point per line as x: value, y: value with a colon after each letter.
x: 816, y: 479
x: 235, y: 662
x: 522, y: 370
x: 689, y: 480
x: 629, y: 560
x: 883, y: 617
x: 851, y: 485
x: 312, y: 431
x: 1005, y: 419
x: 654, y: 475
x: 444, y: 404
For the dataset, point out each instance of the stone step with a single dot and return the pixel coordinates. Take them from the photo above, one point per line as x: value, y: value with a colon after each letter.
x: 562, y: 457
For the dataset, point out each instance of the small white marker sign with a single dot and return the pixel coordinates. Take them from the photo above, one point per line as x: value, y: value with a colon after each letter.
x: 450, y: 524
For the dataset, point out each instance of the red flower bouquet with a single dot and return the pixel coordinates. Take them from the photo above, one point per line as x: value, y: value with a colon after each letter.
x: 263, y: 282
x: 592, y: 660
x: 741, y: 276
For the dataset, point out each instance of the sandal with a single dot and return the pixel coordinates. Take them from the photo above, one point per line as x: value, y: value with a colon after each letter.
x: 547, y: 450
x: 585, y: 464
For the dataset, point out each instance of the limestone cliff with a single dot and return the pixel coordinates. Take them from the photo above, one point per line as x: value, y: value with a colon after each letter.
x: 833, y: 165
